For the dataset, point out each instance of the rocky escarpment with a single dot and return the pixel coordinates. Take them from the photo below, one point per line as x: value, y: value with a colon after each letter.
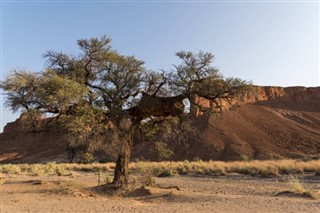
x: 40, y: 145
x: 292, y: 95
x: 266, y: 123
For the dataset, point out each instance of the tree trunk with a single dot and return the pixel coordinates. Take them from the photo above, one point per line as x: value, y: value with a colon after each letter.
x: 121, y: 172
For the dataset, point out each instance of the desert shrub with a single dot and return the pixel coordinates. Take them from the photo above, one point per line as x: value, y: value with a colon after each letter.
x: 199, y: 171
x: 107, y: 178
x: 214, y: 171
x: 99, y: 175
x: 162, y: 151
x: 68, y: 188
x: 245, y: 158
x: 86, y: 158
x: 296, y: 186
x: 11, y: 169
x: 50, y: 168
x: 102, y: 173
x: 182, y: 170
x: 154, y: 170
x: 187, y: 166
x: 166, y: 173
x: 90, y: 167
x: 44, y: 169
x: 146, y: 179
x: 35, y: 170
x: 59, y: 170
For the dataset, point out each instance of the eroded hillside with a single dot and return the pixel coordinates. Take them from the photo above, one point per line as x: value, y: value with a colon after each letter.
x: 270, y: 122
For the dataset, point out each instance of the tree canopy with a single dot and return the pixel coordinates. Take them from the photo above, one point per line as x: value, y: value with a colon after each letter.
x: 102, y: 95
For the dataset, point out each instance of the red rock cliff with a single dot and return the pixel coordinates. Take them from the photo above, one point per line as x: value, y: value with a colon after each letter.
x: 263, y: 94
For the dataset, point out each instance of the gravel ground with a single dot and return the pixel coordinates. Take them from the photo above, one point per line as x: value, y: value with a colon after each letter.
x: 233, y: 193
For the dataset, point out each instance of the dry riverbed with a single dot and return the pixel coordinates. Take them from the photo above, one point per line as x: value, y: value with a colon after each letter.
x: 231, y: 193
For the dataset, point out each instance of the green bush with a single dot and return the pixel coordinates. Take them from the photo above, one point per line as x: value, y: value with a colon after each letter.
x: 245, y: 158
x: 86, y: 158
x: 162, y: 150
x: 166, y: 173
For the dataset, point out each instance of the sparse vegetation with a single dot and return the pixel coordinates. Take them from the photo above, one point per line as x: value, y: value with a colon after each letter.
x: 10, y: 169
x: 297, y: 188
x: 162, y: 151
x: 146, y: 179
x: 86, y: 158
x: 166, y: 173
x: 245, y: 158
x: 69, y: 188
x: 255, y: 167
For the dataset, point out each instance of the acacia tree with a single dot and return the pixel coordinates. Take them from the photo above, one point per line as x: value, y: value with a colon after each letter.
x: 102, y: 95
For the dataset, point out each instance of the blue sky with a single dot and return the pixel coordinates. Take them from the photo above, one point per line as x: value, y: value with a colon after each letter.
x: 270, y: 43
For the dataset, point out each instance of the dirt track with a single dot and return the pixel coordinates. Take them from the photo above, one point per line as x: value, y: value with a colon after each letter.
x: 235, y: 193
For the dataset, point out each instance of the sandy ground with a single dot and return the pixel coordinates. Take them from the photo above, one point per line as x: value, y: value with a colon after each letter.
x: 234, y: 193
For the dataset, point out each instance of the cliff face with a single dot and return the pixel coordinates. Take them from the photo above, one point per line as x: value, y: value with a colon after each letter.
x: 263, y: 94
x: 267, y: 123
x: 17, y: 145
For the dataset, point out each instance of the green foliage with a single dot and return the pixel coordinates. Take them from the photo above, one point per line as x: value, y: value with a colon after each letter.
x: 44, y: 92
x: 159, y: 126
x: 60, y: 92
x: 195, y: 76
x: 193, y: 69
x: 97, y: 97
x: 31, y: 120
x: 245, y: 158
x: 20, y: 87
x: 162, y: 150
x: 86, y: 158
x: 85, y: 121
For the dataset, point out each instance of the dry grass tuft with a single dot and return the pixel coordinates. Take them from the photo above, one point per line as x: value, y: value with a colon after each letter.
x: 71, y: 188
x: 10, y: 169
x: 296, y: 188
